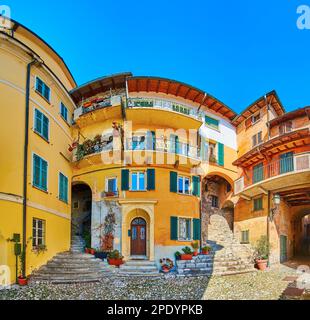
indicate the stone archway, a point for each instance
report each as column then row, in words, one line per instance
column 81, row 218
column 132, row 209
column 216, row 199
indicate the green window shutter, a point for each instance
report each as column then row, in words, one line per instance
column 196, row 229
column 150, row 179
column 43, row 174
column 258, row 204
column 125, row 180
column 173, row 181
column 174, row 228
column 45, row 127
column 196, row 186
column 220, row 154
column 212, row 122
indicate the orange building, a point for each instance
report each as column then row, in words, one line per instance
column 273, row 188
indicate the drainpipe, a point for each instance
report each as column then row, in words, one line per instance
column 26, row 162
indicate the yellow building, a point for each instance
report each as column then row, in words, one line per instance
column 35, row 134
column 133, row 163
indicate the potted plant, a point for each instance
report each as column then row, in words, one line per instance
column 115, row 258
column 188, row 254
column 178, row 255
column 22, row 278
column 195, row 246
column 92, row 251
column 87, row 250
column 101, row 254
column 206, row 249
column 262, row 253
column 166, row 265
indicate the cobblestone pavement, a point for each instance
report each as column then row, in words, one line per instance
column 267, row 285
column 118, row 288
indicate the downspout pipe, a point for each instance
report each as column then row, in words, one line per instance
column 25, row 166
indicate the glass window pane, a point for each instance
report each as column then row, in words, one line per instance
column 134, row 181
column 186, row 185
column 180, row 185
column 141, row 181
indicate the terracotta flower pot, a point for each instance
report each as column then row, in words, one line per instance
column 92, row 251
column 165, row 269
column 115, row 262
column 195, row 254
column 205, row 252
column 22, row 281
column 261, row 264
column 186, row 257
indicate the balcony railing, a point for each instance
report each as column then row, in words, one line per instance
column 164, row 105
column 161, row 145
column 295, row 163
column 99, row 103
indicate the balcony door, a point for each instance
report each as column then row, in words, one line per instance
column 286, row 162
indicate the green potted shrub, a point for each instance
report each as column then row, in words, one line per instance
column 115, row 258
column 262, row 253
column 178, row 255
column 195, row 246
column 188, row 254
column 206, row 249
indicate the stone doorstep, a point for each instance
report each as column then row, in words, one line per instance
column 293, row 292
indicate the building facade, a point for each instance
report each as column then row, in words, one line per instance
column 139, row 164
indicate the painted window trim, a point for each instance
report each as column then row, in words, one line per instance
column 32, row 173
column 247, row 241
column 34, row 125
column 130, row 180
column 107, row 183
column 39, row 93
column 63, row 200
column 36, row 229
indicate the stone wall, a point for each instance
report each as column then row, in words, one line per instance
column 100, row 209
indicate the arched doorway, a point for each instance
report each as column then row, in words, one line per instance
column 138, row 237
column 81, row 212
column 216, row 194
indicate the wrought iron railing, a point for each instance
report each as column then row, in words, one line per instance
column 164, row 105
column 294, row 163
column 162, row 145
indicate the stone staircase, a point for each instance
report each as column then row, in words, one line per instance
column 227, row 256
column 77, row 244
column 72, row 267
column 139, row 268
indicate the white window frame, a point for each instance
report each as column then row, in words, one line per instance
column 183, row 184
column 191, row 229
column 35, row 88
column 107, row 183
column 138, row 181
column 255, row 115
column 35, row 237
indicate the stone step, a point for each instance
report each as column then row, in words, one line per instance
column 59, row 269
column 139, row 263
column 139, row 268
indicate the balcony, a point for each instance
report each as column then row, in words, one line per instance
column 98, row 109
column 164, row 146
column 154, row 111
column 277, row 174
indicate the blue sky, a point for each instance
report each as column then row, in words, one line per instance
column 235, row 50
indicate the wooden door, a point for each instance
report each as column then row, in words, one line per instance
column 138, row 237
